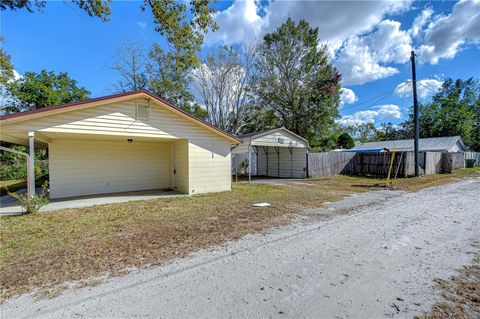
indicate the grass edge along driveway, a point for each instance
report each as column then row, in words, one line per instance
column 46, row 250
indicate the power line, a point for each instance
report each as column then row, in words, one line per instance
column 384, row 94
column 428, row 88
column 373, row 104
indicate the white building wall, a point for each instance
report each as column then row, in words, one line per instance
column 206, row 155
column 292, row 164
column 96, row 167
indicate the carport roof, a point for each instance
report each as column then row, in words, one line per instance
column 32, row 114
column 255, row 135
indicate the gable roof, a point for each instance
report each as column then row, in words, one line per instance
column 37, row 113
column 444, row 143
column 255, row 135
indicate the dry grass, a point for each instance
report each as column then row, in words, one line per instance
column 46, row 250
column 461, row 294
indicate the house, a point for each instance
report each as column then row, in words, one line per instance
column 275, row 153
column 124, row 142
column 451, row 144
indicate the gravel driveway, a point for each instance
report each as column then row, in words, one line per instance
column 377, row 261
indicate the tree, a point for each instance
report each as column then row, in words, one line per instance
column 223, row 81
column 197, row 111
column 38, row 90
column 184, row 24
column 453, row 110
column 475, row 138
column 130, row 63
column 389, row 132
column 259, row 119
column 345, row 141
column 296, row 80
column 6, row 67
column 167, row 79
column 95, row 8
column 364, row 132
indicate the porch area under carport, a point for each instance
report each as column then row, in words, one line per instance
column 95, row 164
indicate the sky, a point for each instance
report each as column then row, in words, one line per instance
column 369, row 43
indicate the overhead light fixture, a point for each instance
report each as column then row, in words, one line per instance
column 130, row 141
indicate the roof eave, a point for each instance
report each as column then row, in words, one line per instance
column 38, row 113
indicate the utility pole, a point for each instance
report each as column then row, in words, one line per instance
column 415, row 114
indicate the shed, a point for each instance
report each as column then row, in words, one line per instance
column 276, row 153
column 124, row 142
column 451, row 144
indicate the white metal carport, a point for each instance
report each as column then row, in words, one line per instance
column 276, row 153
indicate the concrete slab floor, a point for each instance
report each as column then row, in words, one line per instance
column 9, row 206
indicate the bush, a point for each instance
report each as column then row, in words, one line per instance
column 470, row 162
column 14, row 166
column 32, row 205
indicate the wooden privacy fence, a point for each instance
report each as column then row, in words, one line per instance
column 330, row 163
column 433, row 163
column 378, row 164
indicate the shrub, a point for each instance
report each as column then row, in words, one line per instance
column 33, row 204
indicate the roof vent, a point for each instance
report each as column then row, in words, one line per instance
column 141, row 112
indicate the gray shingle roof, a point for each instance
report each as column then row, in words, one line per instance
column 425, row 144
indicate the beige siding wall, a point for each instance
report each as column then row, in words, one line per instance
column 202, row 158
column 115, row 118
column 273, row 140
column 180, row 169
column 209, row 165
column 94, row 167
column 292, row 165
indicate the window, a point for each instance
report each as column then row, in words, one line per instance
column 141, row 112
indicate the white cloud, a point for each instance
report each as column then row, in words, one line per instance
column 357, row 64
column 388, row 43
column 364, row 45
column 347, row 96
column 425, row 88
column 377, row 113
column 360, row 59
column 340, row 25
column 445, row 35
column 420, row 21
column 238, row 23
column 336, row 20
column 389, row 111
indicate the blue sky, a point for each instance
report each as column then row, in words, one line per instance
column 369, row 42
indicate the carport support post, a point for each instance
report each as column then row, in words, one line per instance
column 31, row 165
column 249, row 165
column 236, row 167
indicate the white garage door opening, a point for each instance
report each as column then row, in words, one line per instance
column 277, row 153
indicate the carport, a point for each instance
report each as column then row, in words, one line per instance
column 106, row 164
column 127, row 142
column 277, row 153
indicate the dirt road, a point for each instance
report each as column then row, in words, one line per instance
column 379, row 261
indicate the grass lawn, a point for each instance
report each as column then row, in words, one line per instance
column 45, row 250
